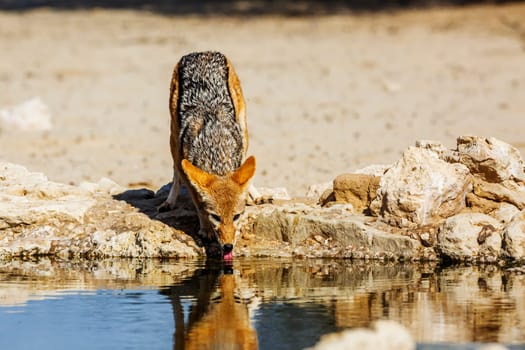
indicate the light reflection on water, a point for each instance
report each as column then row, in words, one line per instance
column 269, row 304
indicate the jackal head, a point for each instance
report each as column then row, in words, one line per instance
column 220, row 201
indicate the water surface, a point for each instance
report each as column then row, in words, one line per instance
column 258, row 303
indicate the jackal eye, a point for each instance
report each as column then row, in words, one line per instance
column 215, row 217
column 236, row 217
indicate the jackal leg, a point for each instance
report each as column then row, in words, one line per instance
column 169, row 204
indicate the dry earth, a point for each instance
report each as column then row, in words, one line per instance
column 325, row 94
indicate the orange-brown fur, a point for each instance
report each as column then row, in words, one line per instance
column 238, row 101
column 221, row 195
column 225, row 325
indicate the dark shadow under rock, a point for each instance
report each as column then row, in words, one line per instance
column 183, row 217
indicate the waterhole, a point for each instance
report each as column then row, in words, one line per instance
column 253, row 303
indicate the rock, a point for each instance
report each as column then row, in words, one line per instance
column 356, row 189
column 275, row 193
column 301, row 230
column 492, row 347
column 417, row 206
column 104, row 185
column 262, row 195
column 427, row 238
column 40, row 217
column 32, row 115
column 505, row 213
column 315, row 191
column 481, row 205
column 439, row 149
column 490, row 159
column 507, row 191
column 514, row 237
column 327, row 197
column 471, row 236
column 15, row 180
column 421, row 189
column 499, row 210
column 384, row 335
column 374, row 169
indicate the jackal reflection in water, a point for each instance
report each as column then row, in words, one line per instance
column 218, row 317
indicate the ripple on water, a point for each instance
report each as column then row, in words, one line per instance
column 279, row 304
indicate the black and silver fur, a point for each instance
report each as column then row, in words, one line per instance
column 210, row 136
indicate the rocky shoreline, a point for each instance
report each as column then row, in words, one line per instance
column 434, row 203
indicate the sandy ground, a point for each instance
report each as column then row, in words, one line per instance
column 325, row 95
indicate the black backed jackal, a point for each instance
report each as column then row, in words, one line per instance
column 209, row 139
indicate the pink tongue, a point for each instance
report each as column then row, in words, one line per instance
column 228, row 256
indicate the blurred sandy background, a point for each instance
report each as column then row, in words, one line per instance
column 326, row 93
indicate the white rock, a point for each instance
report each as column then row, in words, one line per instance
column 432, row 145
column 104, row 185
column 491, row 159
column 279, row 193
column 386, row 335
column 421, row 188
column 505, row 212
column 470, row 236
column 27, row 197
column 30, row 115
column 41, row 217
column 492, row 347
column 514, row 237
column 440, row 149
column 374, row 169
column 316, row 190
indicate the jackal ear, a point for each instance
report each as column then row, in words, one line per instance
column 245, row 172
column 197, row 177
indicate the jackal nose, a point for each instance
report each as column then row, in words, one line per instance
column 227, row 248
